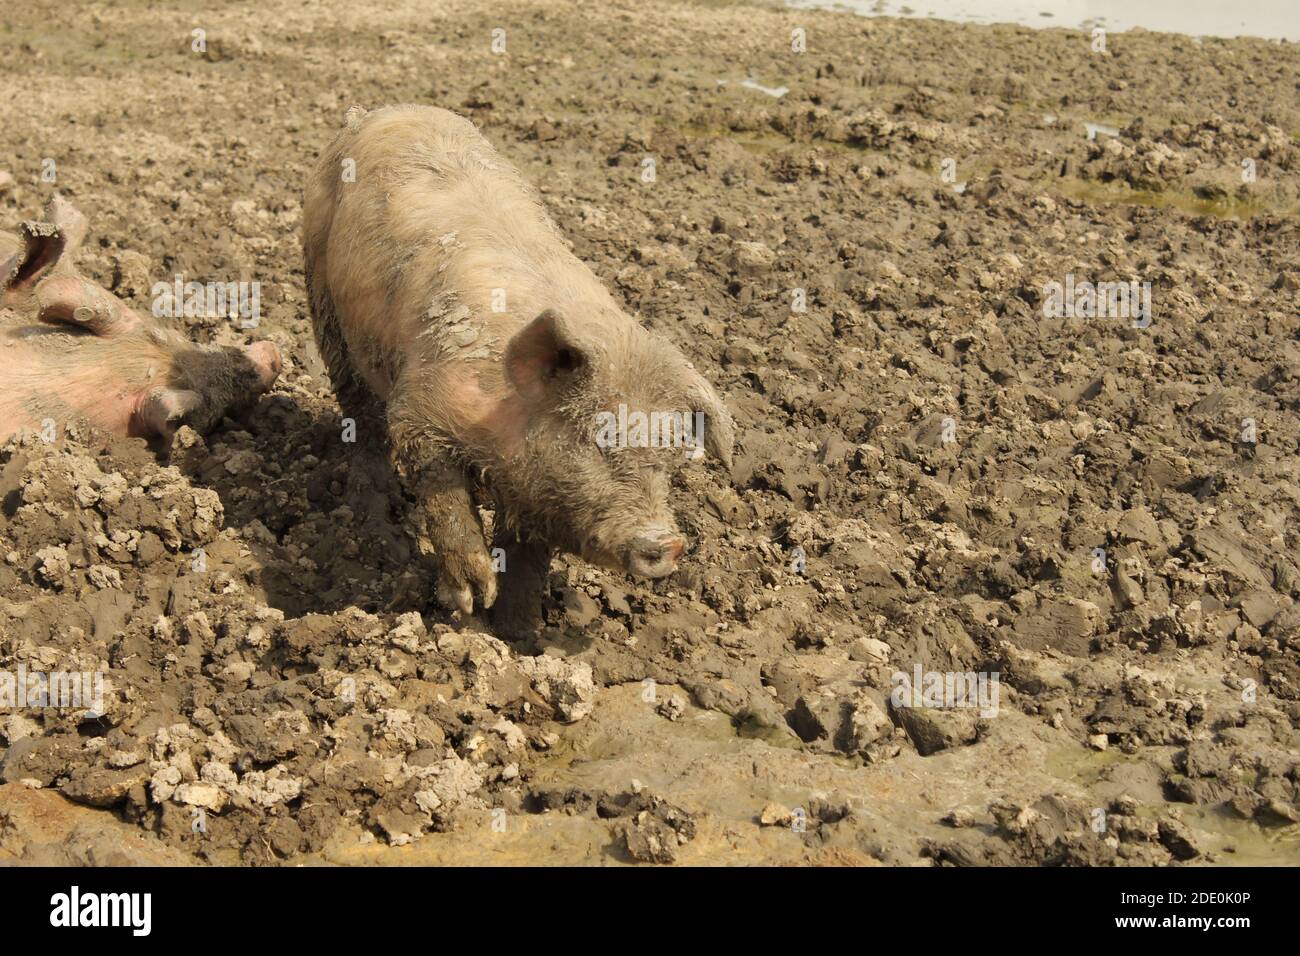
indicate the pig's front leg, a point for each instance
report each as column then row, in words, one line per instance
column 518, row 611
column 446, row 526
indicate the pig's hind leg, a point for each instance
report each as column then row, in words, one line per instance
column 372, row 489
column 355, row 398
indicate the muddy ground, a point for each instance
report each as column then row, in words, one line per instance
column 932, row 473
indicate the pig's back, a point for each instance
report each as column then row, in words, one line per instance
column 446, row 187
column 435, row 222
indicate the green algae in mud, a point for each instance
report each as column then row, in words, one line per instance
column 759, row 142
column 1097, row 193
column 1082, row 766
column 769, row 143
column 764, row 142
column 1252, row 844
column 754, row 727
column 707, row 726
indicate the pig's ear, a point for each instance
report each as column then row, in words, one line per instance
column 70, row 223
column 164, row 410
column 543, row 356
column 719, row 430
column 43, row 247
column 47, row 246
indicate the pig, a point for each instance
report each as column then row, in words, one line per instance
column 96, row 359
column 455, row 322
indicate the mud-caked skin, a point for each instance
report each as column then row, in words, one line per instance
column 452, row 316
column 93, row 358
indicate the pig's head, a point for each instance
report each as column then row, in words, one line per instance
column 201, row 384
column 180, row 382
column 594, row 427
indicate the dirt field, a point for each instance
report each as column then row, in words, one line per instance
column 1096, row 517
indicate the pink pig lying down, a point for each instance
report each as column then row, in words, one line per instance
column 96, row 359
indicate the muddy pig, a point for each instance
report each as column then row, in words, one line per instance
column 95, row 358
column 453, row 318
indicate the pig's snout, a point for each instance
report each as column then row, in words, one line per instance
column 654, row 555
column 266, row 358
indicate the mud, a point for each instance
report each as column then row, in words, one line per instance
column 927, row 467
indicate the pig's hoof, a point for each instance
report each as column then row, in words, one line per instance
column 460, row 576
